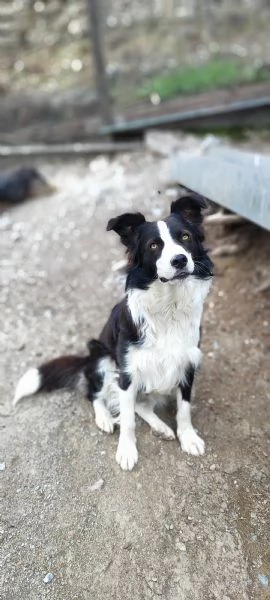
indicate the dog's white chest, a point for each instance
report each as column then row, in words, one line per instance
column 160, row 363
column 170, row 336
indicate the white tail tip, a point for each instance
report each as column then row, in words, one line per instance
column 29, row 384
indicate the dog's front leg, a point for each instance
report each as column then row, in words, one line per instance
column 190, row 441
column 127, row 454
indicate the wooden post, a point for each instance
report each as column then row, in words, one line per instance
column 99, row 62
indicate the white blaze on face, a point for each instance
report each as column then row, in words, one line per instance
column 170, row 249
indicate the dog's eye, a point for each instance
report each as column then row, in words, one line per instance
column 153, row 246
column 185, row 237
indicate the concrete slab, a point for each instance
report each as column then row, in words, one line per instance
column 237, row 181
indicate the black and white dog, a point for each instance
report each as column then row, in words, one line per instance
column 149, row 347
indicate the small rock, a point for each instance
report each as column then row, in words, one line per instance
column 2, row 466
column 5, row 222
column 99, row 164
column 162, row 143
column 71, row 225
column 16, row 236
column 38, row 236
column 120, row 264
column 155, row 99
column 182, row 547
column 48, row 578
column 97, row 486
column 48, row 313
column 156, row 211
column 18, row 226
column 263, row 579
column 21, row 347
column 208, row 142
column 127, row 546
column 212, row 467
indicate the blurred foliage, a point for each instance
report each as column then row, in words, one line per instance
column 215, row 73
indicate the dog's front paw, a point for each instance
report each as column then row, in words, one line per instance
column 104, row 421
column 127, row 454
column 103, row 417
column 191, row 442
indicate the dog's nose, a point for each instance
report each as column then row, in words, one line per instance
column 179, row 261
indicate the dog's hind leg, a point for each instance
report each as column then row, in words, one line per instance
column 100, row 377
column 127, row 453
column 104, row 419
column 145, row 410
column 190, row 441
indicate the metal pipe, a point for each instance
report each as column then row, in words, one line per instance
column 78, row 148
column 99, row 61
column 182, row 117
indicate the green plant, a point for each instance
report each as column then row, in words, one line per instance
column 213, row 74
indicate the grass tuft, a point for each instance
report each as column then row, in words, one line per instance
column 215, row 73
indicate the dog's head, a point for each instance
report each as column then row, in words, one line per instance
column 171, row 249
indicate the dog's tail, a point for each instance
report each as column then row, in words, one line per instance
column 63, row 372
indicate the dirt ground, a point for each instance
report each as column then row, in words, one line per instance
column 177, row 527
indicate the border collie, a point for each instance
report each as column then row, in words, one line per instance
column 149, row 347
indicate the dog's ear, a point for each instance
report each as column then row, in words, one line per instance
column 126, row 225
column 190, row 207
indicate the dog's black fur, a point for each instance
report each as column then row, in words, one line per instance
column 20, row 184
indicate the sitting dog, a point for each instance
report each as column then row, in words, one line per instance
column 149, row 346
